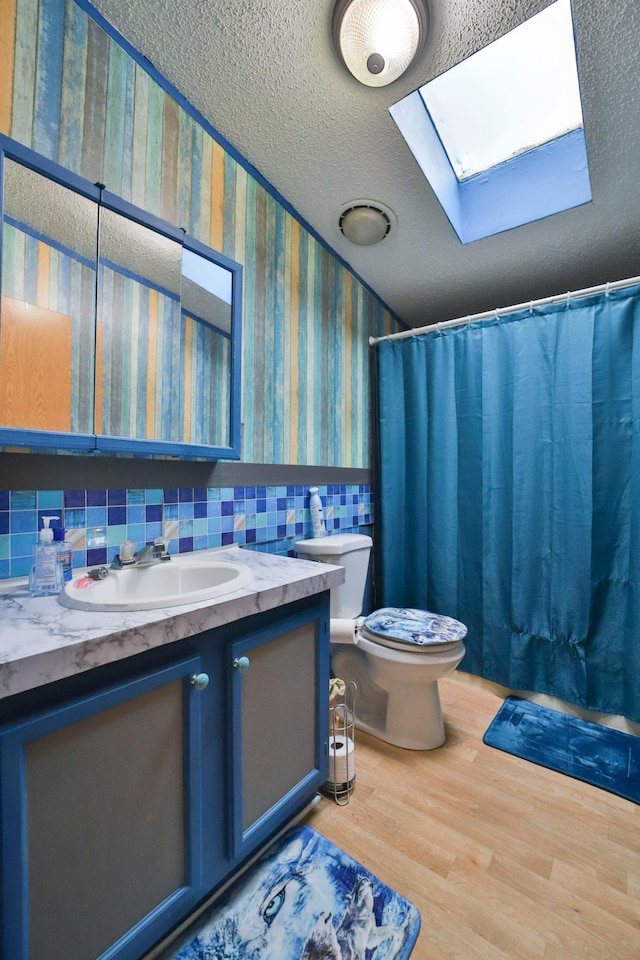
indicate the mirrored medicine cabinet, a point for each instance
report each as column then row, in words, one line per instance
column 118, row 332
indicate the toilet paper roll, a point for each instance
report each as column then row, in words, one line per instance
column 342, row 767
column 342, row 631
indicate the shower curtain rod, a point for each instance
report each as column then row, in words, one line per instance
column 501, row 311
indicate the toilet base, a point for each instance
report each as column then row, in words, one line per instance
column 406, row 715
column 424, row 732
column 414, row 722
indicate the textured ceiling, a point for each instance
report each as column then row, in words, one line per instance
column 266, row 76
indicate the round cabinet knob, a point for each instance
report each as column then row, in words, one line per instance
column 200, row 681
column 241, row 663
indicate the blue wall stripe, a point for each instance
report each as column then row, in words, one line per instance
column 153, row 178
column 73, row 87
column 49, row 78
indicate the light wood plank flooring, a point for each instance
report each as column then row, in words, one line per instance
column 504, row 859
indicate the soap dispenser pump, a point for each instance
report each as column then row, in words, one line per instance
column 45, row 578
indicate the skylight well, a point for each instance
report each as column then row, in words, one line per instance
column 500, row 136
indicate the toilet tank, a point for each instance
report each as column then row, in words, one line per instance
column 348, row 550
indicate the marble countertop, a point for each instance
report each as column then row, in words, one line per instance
column 42, row 641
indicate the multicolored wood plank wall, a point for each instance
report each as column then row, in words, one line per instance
column 72, row 93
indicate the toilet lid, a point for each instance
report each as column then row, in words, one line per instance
column 417, row 628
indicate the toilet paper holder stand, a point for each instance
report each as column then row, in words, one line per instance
column 342, row 718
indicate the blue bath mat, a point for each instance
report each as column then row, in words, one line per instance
column 587, row 751
column 304, row 899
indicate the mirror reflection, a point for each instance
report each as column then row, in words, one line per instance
column 139, row 332
column 207, row 320
column 49, row 237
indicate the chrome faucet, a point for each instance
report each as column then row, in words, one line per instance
column 144, row 556
column 154, row 552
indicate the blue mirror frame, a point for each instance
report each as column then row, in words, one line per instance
column 103, row 443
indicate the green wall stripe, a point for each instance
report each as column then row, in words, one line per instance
column 299, row 455
column 184, row 170
column 153, row 179
column 116, row 118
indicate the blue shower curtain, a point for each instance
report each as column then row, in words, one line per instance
column 509, row 493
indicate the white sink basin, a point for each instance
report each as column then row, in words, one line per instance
column 169, row 583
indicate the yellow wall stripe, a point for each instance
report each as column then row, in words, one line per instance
column 217, row 197
column 7, row 40
column 42, row 284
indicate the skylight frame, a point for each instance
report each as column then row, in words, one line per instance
column 529, row 185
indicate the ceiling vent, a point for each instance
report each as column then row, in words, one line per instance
column 366, row 223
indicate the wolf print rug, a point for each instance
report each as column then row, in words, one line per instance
column 303, row 900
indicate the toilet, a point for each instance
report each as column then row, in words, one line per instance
column 395, row 656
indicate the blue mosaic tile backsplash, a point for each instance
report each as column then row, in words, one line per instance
column 97, row 521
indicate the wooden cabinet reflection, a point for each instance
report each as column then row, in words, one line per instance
column 35, row 367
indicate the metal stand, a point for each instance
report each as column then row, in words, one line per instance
column 342, row 718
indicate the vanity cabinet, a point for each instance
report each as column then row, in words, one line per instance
column 131, row 792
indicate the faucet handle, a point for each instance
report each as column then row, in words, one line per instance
column 127, row 550
column 161, row 548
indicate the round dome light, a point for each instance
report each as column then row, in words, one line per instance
column 365, row 222
column 379, row 39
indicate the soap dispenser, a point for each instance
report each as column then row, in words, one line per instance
column 45, row 578
column 317, row 513
column 65, row 553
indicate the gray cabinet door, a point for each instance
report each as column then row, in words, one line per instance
column 101, row 836
column 278, row 729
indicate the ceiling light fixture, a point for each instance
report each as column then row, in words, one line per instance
column 366, row 222
column 378, row 40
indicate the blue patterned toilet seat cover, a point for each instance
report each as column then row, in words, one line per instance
column 412, row 626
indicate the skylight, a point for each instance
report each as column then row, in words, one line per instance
column 506, row 123
column 514, row 95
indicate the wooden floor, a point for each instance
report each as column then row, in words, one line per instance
column 503, row 859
